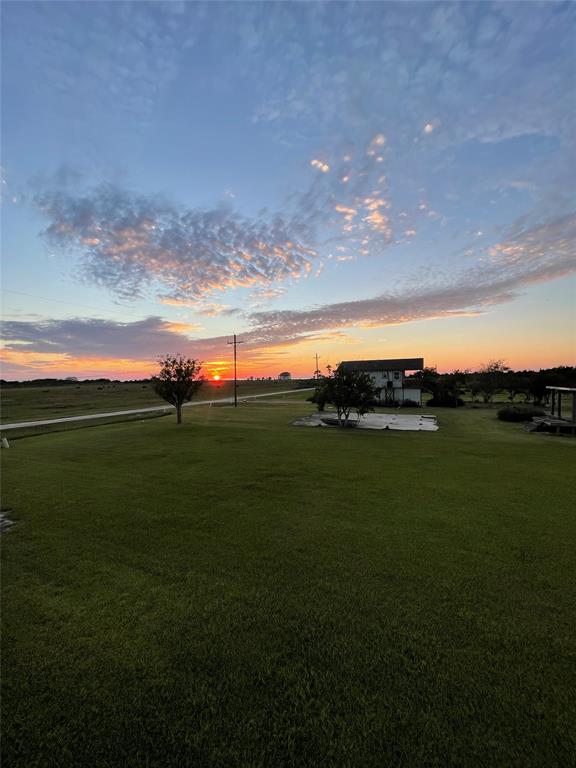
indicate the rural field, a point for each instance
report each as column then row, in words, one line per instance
column 240, row 592
column 24, row 403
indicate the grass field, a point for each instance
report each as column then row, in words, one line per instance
column 31, row 403
column 240, row 592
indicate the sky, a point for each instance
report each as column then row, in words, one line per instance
column 353, row 180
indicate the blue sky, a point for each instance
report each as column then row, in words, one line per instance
column 357, row 179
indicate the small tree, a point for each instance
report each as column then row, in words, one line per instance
column 475, row 387
column 537, row 386
column 347, row 391
column 178, row 381
column 515, row 384
column 492, row 377
column 445, row 388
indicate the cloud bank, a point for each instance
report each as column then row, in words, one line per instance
column 527, row 255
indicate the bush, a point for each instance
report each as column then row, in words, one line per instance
column 445, row 401
column 318, row 400
column 519, row 413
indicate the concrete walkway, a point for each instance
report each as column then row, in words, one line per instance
column 134, row 412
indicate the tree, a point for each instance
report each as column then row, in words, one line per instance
column 537, row 386
column 429, row 378
column 347, row 391
column 445, row 388
column 492, row 377
column 475, row 386
column 178, row 381
column 515, row 384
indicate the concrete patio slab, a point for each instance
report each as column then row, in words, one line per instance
column 396, row 421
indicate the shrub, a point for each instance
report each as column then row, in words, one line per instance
column 519, row 413
column 445, row 401
column 318, row 399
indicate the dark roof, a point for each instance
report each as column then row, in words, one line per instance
column 401, row 364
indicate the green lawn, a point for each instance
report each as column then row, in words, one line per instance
column 240, row 592
column 31, row 403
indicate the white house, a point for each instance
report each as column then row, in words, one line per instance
column 390, row 376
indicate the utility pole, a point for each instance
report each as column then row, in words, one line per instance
column 317, row 371
column 235, row 342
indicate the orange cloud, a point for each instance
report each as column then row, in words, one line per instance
column 324, row 167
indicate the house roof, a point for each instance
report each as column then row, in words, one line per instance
column 400, row 364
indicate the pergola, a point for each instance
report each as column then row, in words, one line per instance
column 556, row 402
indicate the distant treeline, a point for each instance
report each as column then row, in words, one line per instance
column 492, row 379
column 71, row 381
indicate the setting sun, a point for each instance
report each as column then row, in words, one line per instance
column 216, row 377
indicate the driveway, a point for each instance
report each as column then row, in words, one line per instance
column 133, row 412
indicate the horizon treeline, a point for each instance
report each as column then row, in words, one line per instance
column 501, row 376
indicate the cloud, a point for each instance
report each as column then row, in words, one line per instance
column 527, row 255
column 104, row 339
column 266, row 295
column 381, row 96
column 430, row 60
column 129, row 243
column 204, row 308
column 320, row 166
column 114, row 59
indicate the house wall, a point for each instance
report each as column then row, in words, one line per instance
column 381, row 378
column 401, row 392
column 412, row 394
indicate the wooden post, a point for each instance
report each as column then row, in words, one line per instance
column 559, row 405
column 553, row 402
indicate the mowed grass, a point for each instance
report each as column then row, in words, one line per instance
column 240, row 592
column 35, row 403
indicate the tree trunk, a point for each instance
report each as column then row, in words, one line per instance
column 178, row 414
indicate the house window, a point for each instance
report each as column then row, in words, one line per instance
column 396, row 375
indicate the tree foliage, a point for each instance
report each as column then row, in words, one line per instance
column 347, row 391
column 178, row 381
column 492, row 378
column 445, row 388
